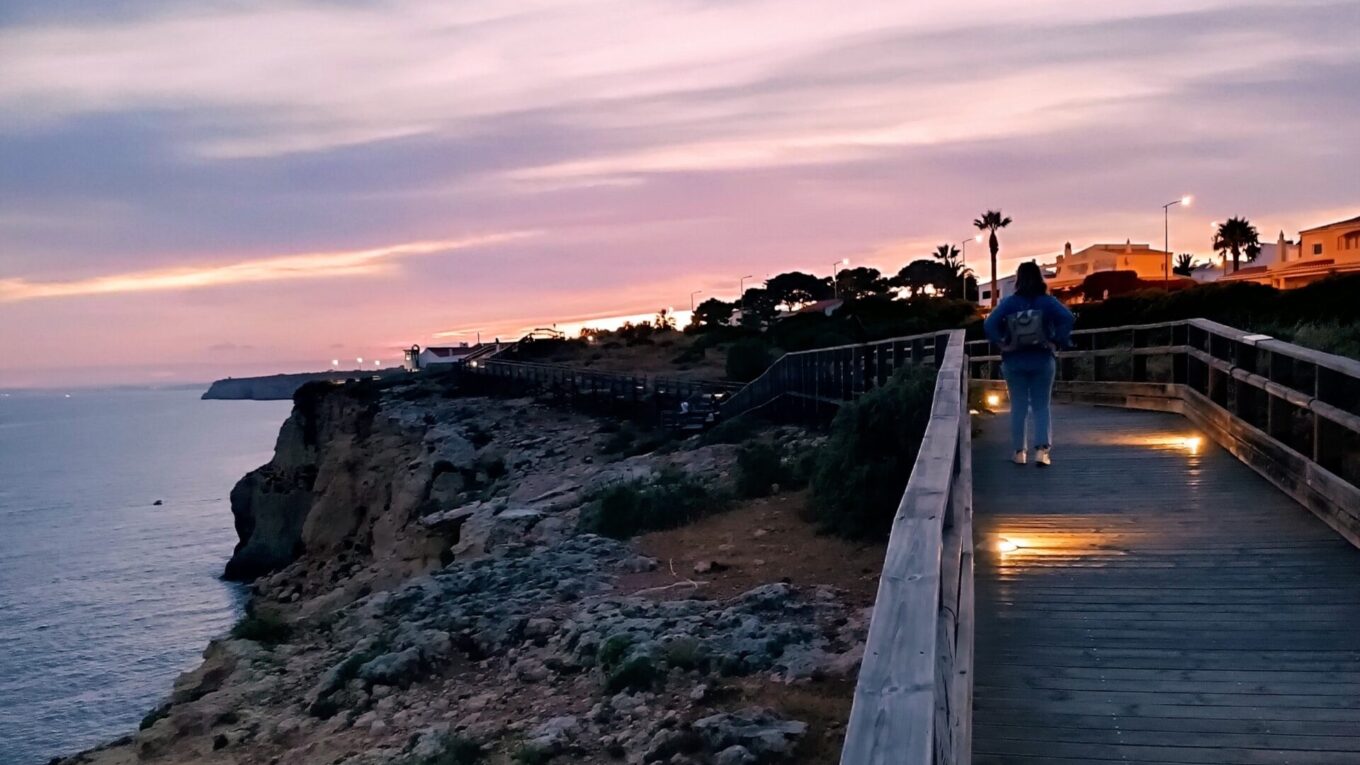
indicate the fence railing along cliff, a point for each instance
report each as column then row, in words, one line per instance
column 600, row 390
column 913, row 699
column 1291, row 413
column 807, row 383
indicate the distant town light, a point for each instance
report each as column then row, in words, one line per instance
column 377, row 363
column 360, row 359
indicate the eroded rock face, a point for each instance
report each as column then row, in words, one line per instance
column 440, row 602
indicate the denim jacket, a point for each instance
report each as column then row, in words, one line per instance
column 1057, row 320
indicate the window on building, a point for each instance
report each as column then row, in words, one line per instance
column 1317, row 248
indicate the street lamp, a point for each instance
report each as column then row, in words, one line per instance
column 963, row 263
column 836, row 288
column 1166, row 233
column 741, row 292
column 691, row 299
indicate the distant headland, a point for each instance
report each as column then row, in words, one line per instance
column 280, row 387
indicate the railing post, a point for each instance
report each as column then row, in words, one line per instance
column 1140, row 362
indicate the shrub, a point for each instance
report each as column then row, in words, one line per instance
column 733, row 431
column 630, row 440
column 673, row 499
column 862, row 470
column 758, row 469
column 531, row 754
column 456, row 751
column 264, row 628
column 747, row 359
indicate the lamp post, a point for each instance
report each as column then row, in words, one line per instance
column 963, row 265
column 1166, row 234
column 836, row 288
column 741, row 292
column 691, row 299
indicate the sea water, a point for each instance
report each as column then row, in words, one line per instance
column 105, row 596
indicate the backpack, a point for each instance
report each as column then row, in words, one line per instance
column 1026, row 330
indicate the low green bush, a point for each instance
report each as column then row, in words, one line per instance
column 630, row 440
column 758, row 469
column 862, row 469
column 456, row 751
column 264, row 628
column 734, row 431
column 673, row 499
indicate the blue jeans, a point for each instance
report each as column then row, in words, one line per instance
column 1030, row 382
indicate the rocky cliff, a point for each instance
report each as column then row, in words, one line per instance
column 280, row 387
column 422, row 595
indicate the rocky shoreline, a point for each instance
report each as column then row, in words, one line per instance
column 423, row 594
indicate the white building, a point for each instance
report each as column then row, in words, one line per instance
column 418, row 358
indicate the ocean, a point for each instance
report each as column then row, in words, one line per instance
column 105, row 597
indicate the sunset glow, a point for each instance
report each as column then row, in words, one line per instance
column 196, row 191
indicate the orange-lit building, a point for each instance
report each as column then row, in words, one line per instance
column 1141, row 259
column 1322, row 251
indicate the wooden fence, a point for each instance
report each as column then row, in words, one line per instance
column 1291, row 413
column 809, row 385
column 630, row 395
column 913, row 699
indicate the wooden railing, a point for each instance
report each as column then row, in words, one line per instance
column 1291, row 413
column 805, row 382
column 599, row 390
column 913, row 700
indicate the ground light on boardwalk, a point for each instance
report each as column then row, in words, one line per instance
column 1150, row 599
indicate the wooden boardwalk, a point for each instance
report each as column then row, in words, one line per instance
column 1165, row 605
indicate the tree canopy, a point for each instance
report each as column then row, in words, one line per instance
column 860, row 282
column 795, row 289
column 712, row 313
column 918, row 275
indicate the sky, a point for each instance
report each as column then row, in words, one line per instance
column 190, row 190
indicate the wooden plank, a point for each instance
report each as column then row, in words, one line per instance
column 1166, row 608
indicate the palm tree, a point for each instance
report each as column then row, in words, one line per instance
column 990, row 222
column 1185, row 264
column 1237, row 236
column 950, row 258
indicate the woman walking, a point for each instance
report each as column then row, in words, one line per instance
column 1029, row 326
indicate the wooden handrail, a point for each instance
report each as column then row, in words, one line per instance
column 912, row 700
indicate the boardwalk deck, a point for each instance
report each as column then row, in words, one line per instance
column 1167, row 605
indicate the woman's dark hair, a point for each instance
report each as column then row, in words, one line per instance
column 1029, row 280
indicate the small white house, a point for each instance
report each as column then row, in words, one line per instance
column 418, row 358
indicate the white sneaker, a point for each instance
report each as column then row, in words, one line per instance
column 1041, row 457
column 1019, row 457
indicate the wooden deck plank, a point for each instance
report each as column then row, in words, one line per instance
column 1166, row 605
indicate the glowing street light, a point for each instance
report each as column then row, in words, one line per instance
column 741, row 292
column 1166, row 233
column 963, row 262
column 335, row 362
column 691, row 299
column 993, row 400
